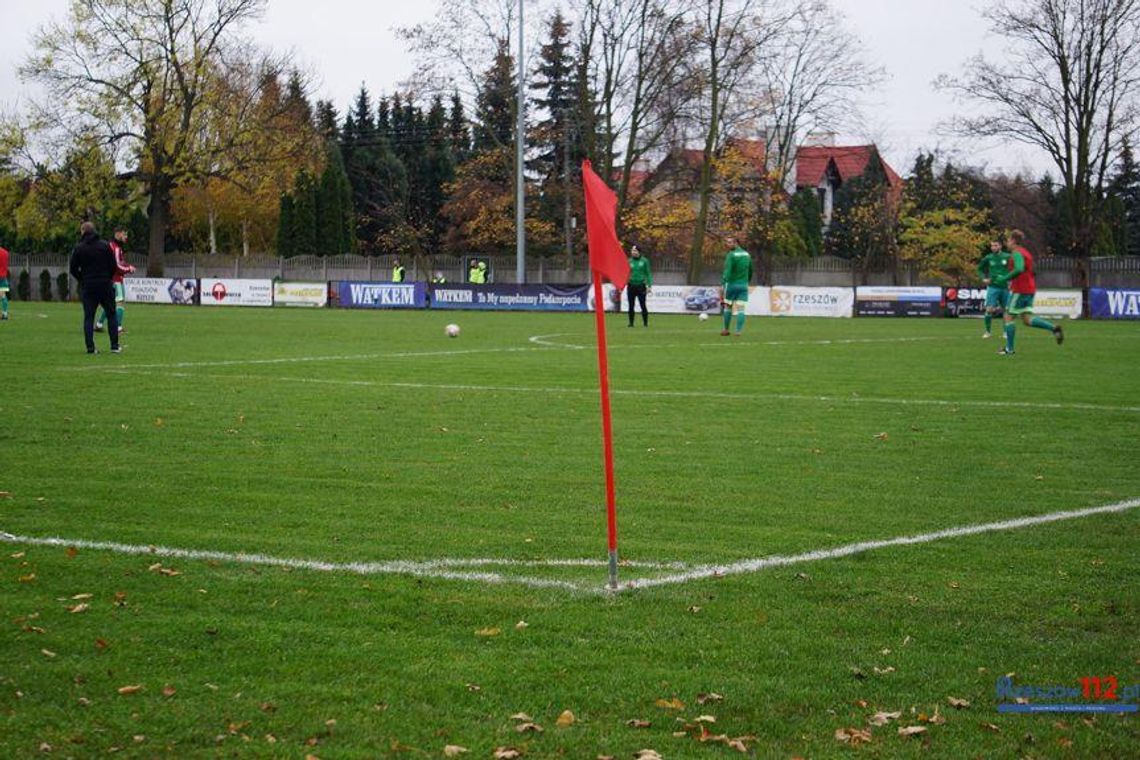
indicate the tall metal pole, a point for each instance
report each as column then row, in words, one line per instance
column 520, row 190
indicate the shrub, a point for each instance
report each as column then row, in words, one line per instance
column 63, row 286
column 24, row 286
column 45, row 285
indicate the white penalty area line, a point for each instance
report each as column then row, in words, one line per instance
column 716, row 395
column 451, row 569
column 764, row 563
column 549, row 341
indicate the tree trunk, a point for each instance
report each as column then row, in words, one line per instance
column 213, row 233
column 245, row 237
column 158, row 212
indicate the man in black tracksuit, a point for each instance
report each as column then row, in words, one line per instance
column 93, row 264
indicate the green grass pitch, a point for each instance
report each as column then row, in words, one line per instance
column 356, row 437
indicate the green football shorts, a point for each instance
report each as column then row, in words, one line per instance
column 736, row 292
column 997, row 298
column 1020, row 303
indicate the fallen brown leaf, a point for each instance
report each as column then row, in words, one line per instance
column 453, row 750
column 82, row 597
column 638, row 723
column 1064, row 741
column 169, row 691
column 737, row 745
column 670, row 704
column 881, row 436
column 647, row 754
column 473, row 687
column 268, row 707
column 488, row 632
column 883, row 718
column 704, row 719
column 100, row 644
column 712, row 696
column 852, row 735
column 131, row 689
column 884, row 671
column 506, row 753
column 911, row 730
column 522, row 728
column 991, row 727
column 47, row 653
column 76, row 609
column 566, row 718
column 521, row 625
column 961, row 704
column 27, row 578
column 521, row 716
column 18, row 555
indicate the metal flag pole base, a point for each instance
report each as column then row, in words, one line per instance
column 613, row 570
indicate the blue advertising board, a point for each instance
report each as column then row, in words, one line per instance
column 1114, row 303
column 504, row 297
column 382, row 295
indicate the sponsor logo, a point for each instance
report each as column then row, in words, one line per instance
column 382, row 295
column 1123, row 303
column 453, row 296
column 218, row 291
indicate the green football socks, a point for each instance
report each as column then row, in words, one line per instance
column 1041, row 324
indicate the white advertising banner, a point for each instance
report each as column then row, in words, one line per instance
column 1059, row 303
column 183, row 292
column 667, row 299
column 234, row 292
column 300, row 294
column 795, row 301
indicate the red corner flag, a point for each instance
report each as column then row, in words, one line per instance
column 607, row 260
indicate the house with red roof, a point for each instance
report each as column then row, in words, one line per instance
column 826, row 167
column 821, row 167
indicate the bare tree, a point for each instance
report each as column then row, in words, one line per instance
column 157, row 76
column 1068, row 84
column 732, row 37
column 636, row 53
column 811, row 81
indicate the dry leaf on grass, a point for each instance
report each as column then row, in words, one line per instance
column 883, row 718
column 169, row 691
column 670, row 704
column 47, row 653
column 488, row 632
column 81, row 607
column 638, row 723
column 506, row 753
column 453, row 750
column 521, row 716
column 961, row 704
column 881, row 436
column 522, row 728
column 884, row 671
column 852, row 735
column 131, row 689
column 647, row 754
column 566, row 718
column 991, row 727
column 712, row 696
column 704, row 719
column 82, row 597
column 937, row 718
column 911, row 730
column 521, row 625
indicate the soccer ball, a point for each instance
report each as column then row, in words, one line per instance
column 704, row 317
column 452, row 331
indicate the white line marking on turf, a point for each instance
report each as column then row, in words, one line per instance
column 431, row 569
column 440, row 569
column 976, row 403
column 763, row 563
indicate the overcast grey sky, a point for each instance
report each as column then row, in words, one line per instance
column 345, row 42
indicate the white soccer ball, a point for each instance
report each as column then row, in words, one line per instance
column 703, row 317
column 452, row 331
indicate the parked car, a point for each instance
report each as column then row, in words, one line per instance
column 703, row 299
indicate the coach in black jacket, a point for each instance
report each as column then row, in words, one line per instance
column 93, row 264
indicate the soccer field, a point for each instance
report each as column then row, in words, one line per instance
column 428, row 519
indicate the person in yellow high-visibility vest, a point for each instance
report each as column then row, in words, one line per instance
column 477, row 274
column 398, row 272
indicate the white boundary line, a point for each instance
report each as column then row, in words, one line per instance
column 763, row 563
column 976, row 403
column 444, row 569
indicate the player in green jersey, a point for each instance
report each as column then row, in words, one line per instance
column 994, row 269
column 734, row 283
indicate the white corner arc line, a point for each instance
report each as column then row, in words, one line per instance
column 763, row 563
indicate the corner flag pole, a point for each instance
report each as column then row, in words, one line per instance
column 607, row 427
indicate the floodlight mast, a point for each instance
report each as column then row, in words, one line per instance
column 520, row 190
